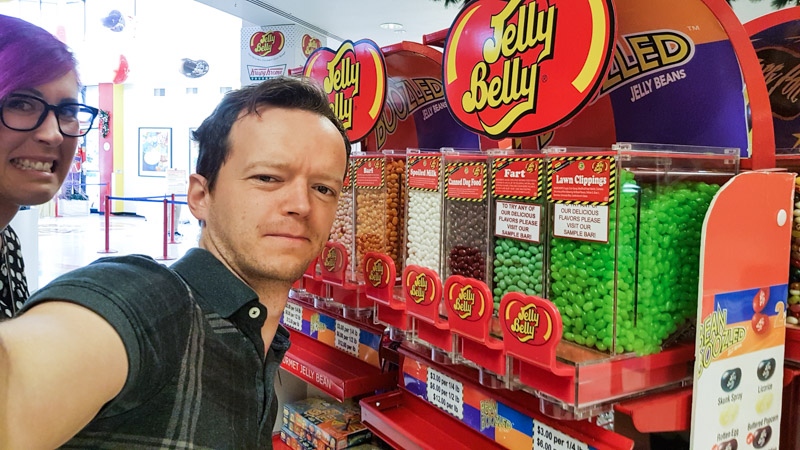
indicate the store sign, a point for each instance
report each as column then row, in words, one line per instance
column 530, row 320
column 354, row 77
column 376, row 271
column 419, row 285
column 466, row 181
column 516, row 178
column 423, row 173
column 369, row 172
column 310, row 45
column 524, row 67
column 583, row 180
column 267, row 44
column 521, row 221
column 466, row 299
column 333, row 261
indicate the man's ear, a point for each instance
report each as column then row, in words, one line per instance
column 198, row 196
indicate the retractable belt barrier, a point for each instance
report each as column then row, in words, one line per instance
column 165, row 200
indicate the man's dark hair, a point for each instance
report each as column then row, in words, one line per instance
column 283, row 92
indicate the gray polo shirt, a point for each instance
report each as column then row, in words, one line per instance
column 198, row 375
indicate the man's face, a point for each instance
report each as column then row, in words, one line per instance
column 275, row 197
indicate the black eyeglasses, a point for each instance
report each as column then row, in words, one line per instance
column 21, row 112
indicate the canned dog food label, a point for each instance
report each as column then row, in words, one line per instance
column 466, row 181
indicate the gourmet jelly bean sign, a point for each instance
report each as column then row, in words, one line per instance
column 739, row 370
column 354, row 77
column 524, row 67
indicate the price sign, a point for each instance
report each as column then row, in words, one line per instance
column 446, row 393
column 548, row 438
column 347, row 338
column 293, row 316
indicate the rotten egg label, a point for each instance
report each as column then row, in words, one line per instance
column 765, row 369
column 732, row 444
column 730, row 379
column 761, row 437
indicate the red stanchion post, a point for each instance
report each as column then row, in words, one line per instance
column 107, row 218
column 172, row 221
column 165, row 228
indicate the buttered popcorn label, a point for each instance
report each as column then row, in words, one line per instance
column 354, row 77
column 524, row 67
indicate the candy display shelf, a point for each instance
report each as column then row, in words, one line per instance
column 338, row 356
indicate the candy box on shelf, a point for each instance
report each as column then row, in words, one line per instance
column 294, row 441
column 326, row 425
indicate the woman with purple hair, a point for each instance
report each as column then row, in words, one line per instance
column 37, row 77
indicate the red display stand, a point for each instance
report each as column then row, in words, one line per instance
column 337, row 374
column 381, row 287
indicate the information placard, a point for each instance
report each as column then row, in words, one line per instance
column 518, row 221
column 581, row 222
column 347, row 337
column 293, row 316
column 446, row 393
column 548, row 438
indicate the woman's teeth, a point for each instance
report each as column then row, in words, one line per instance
column 26, row 164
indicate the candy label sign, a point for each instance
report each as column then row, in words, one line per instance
column 466, row 181
column 516, row 178
column 466, row 302
column 354, row 77
column 369, row 172
column 423, row 173
column 520, row 221
column 581, row 180
column 504, row 74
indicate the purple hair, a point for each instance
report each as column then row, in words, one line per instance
column 30, row 56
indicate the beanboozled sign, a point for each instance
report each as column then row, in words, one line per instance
column 524, row 67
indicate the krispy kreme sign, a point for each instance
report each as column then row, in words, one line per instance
column 524, row 67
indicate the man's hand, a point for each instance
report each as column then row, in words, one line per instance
column 59, row 364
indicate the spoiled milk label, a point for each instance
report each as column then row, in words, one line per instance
column 423, row 173
column 354, row 77
column 504, row 73
column 586, row 180
column 369, row 172
column 516, row 178
column 466, row 181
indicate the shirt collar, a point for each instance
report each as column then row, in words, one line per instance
column 216, row 284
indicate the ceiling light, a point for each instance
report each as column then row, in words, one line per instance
column 392, row 26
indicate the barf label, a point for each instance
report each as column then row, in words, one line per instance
column 466, row 181
column 369, row 173
column 582, row 222
column 423, row 173
column 518, row 221
column 587, row 180
column 516, row 178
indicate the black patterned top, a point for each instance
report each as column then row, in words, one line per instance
column 13, row 285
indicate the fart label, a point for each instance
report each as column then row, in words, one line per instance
column 516, row 178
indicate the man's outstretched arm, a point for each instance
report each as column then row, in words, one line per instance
column 59, row 364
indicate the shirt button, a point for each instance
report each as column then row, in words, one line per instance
column 254, row 312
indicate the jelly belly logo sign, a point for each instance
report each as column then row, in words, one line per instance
column 310, row 45
column 267, row 44
column 528, row 323
column 377, row 272
column 581, row 180
column 524, row 67
column 419, row 285
column 354, row 77
column 332, row 258
column 466, row 301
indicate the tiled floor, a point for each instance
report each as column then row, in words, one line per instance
column 67, row 243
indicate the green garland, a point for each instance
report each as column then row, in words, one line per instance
column 104, row 123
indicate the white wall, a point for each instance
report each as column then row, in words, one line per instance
column 747, row 10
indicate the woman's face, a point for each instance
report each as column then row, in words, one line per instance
column 33, row 164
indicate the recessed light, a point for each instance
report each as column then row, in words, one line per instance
column 392, row 26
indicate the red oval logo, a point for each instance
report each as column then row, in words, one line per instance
column 310, row 45
column 267, row 43
column 524, row 67
column 377, row 272
column 354, row 77
column 465, row 300
column 419, row 286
